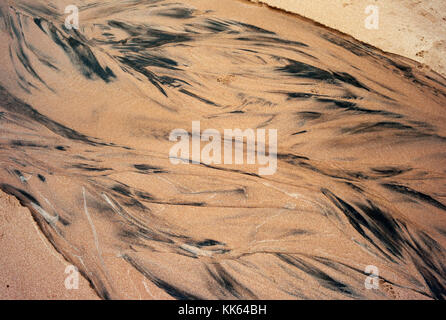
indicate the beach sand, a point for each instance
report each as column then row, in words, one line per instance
column 85, row 119
column 30, row 267
column 414, row 29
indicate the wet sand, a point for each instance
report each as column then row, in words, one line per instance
column 418, row 26
column 30, row 267
column 85, row 117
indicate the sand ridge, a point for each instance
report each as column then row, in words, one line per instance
column 414, row 29
column 31, row 268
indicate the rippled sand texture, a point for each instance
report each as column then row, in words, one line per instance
column 85, row 117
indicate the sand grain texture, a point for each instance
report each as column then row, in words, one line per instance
column 30, row 267
column 85, row 117
column 414, row 29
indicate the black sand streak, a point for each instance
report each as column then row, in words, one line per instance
column 229, row 226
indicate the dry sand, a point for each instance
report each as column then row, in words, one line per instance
column 85, row 118
column 414, row 29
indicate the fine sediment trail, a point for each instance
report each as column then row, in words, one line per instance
column 85, row 118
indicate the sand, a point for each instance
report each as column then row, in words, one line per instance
column 30, row 267
column 85, row 119
column 414, row 29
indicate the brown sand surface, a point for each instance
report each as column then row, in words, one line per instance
column 85, row 118
column 30, row 267
column 414, row 29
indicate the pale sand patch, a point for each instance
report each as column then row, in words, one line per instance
column 414, row 29
column 30, row 267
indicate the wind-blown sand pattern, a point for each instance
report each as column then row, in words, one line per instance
column 85, row 117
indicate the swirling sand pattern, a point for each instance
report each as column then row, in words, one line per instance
column 85, row 117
